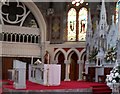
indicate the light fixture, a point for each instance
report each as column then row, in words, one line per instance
column 77, row 2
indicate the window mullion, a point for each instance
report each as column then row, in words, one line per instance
column 77, row 26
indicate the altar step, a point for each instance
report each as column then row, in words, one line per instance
column 101, row 89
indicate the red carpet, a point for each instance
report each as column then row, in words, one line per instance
column 101, row 89
column 96, row 87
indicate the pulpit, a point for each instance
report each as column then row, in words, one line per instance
column 19, row 74
column 46, row 74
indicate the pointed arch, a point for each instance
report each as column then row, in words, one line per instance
column 57, row 52
column 83, row 15
column 72, row 57
column 71, row 24
column 39, row 18
column 81, row 54
column 70, row 52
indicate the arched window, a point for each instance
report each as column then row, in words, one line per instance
column 33, row 38
column 25, row 38
column 72, row 25
column 21, row 38
column 13, row 38
column 29, row 38
column 37, row 39
column 82, row 24
column 9, row 37
column 17, row 38
column 77, row 24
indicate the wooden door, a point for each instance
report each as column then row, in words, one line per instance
column 61, row 62
column 7, row 63
column 74, row 67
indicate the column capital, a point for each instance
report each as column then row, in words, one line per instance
column 80, row 61
column 66, row 62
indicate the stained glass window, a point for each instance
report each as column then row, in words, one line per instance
column 82, row 24
column 77, row 24
column 117, row 7
column 72, row 25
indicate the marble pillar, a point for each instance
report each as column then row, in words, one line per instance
column 80, row 69
column 67, row 70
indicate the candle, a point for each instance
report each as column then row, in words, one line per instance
column 48, row 58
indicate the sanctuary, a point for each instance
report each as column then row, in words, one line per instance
column 82, row 38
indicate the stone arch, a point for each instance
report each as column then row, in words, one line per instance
column 39, row 18
column 70, row 52
column 72, row 57
column 57, row 52
column 59, row 58
column 81, row 54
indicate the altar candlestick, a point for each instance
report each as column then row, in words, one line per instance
column 48, row 58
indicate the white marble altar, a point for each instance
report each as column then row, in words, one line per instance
column 46, row 74
column 99, row 43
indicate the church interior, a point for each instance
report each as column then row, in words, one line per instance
column 82, row 36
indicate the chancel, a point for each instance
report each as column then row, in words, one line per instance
column 69, row 46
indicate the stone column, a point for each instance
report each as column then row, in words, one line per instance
column 86, row 67
column 80, row 69
column 67, row 70
column 19, row 37
column 42, row 48
column 15, row 37
column 23, row 38
column 27, row 38
column 32, row 60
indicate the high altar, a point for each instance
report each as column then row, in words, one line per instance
column 101, row 46
column 46, row 74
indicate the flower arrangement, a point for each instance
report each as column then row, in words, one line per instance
column 114, row 76
column 111, row 54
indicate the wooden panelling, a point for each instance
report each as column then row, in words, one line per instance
column 6, row 64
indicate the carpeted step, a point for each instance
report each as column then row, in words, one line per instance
column 101, row 85
column 102, row 92
column 101, row 89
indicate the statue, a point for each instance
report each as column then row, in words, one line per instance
column 47, row 58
